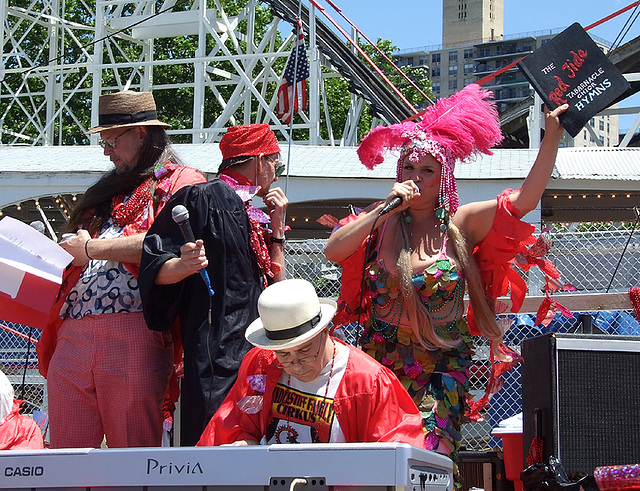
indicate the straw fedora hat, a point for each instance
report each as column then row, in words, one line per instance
column 290, row 314
column 126, row 109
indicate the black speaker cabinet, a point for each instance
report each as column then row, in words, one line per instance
column 581, row 394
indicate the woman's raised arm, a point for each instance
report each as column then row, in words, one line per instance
column 346, row 240
column 527, row 198
column 476, row 218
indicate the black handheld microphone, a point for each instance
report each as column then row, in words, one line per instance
column 180, row 215
column 391, row 205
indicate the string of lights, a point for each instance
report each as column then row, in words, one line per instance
column 61, row 203
column 597, row 195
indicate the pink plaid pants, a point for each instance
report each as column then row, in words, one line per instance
column 107, row 377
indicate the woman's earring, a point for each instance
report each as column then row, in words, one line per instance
column 441, row 214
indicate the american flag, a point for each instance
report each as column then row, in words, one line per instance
column 300, row 69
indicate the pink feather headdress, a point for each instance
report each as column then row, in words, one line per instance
column 454, row 129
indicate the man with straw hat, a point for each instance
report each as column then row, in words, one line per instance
column 106, row 372
column 301, row 385
column 245, row 249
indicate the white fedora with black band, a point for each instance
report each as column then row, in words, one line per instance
column 127, row 109
column 290, row 314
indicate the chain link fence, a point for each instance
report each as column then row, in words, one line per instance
column 19, row 363
column 593, row 258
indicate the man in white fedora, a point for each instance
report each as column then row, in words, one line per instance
column 107, row 373
column 300, row 385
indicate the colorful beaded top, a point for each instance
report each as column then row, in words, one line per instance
column 425, row 372
column 440, row 287
column 510, row 242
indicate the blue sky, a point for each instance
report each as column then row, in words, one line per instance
column 414, row 23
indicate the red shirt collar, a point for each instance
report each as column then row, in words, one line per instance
column 239, row 178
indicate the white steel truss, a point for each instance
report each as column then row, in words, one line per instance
column 60, row 55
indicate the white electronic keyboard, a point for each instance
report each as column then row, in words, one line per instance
column 307, row 467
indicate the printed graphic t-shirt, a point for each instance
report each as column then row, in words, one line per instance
column 301, row 413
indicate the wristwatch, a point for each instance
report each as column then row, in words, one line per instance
column 277, row 240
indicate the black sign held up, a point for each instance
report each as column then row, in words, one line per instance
column 571, row 69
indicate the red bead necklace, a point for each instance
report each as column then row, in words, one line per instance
column 126, row 213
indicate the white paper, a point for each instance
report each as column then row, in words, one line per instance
column 10, row 278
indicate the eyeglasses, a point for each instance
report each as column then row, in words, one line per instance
column 279, row 166
column 301, row 361
column 111, row 142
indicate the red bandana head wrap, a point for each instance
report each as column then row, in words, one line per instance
column 248, row 140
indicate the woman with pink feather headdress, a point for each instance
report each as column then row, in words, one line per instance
column 422, row 255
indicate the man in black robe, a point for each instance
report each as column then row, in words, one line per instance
column 231, row 246
column 212, row 352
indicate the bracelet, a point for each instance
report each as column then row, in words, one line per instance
column 86, row 249
column 276, row 240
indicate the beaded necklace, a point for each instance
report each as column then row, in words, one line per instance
column 454, row 296
column 408, row 219
column 387, row 324
column 126, row 213
column 257, row 218
column 397, row 306
column 326, row 388
column 391, row 319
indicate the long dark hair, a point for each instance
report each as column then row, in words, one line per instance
column 94, row 207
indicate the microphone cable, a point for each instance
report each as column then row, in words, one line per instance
column 636, row 211
column 394, row 203
column 209, row 401
column 360, row 328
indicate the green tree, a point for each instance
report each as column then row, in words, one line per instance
column 177, row 105
column 339, row 95
column 22, row 96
